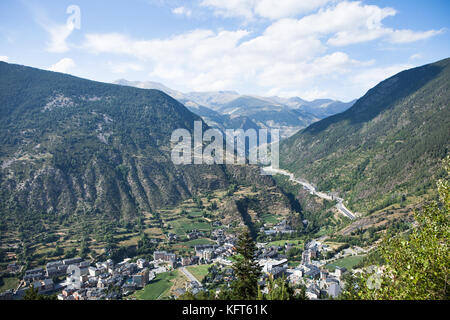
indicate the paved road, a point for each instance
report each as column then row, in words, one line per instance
column 342, row 208
column 340, row 205
column 190, row 276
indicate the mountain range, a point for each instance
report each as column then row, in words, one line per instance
column 75, row 146
column 230, row 110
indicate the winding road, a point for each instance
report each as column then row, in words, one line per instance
column 312, row 190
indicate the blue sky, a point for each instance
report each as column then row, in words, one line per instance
column 312, row 49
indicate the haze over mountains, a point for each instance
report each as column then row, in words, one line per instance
column 230, row 110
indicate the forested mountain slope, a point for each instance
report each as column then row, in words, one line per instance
column 69, row 145
column 387, row 146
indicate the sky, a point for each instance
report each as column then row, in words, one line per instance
column 310, row 49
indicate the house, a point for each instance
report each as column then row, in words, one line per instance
column 13, row 267
column 334, row 290
column 68, row 291
column 128, row 287
column 270, row 232
column 185, row 261
column 269, row 264
column 33, row 275
column 7, row 295
column 192, row 235
column 80, row 295
column 164, row 256
column 93, row 271
column 56, row 269
column 340, row 271
column 201, row 248
column 172, row 237
column 72, row 261
column 141, row 279
column 309, row 270
column 207, row 254
column 141, row 263
column 179, row 292
column 194, row 260
column 312, row 292
column 102, row 283
column 306, row 257
column 277, row 272
column 298, row 273
column 193, row 287
column 325, row 283
column 108, row 264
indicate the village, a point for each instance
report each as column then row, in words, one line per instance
column 105, row 280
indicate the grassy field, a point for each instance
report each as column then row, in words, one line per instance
column 159, row 286
column 181, row 226
column 347, row 262
column 9, row 283
column 199, row 271
column 195, row 214
column 283, row 242
column 269, row 218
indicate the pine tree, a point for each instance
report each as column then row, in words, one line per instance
column 279, row 289
column 246, row 269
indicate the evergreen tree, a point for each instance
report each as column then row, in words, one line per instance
column 33, row 294
column 279, row 289
column 246, row 269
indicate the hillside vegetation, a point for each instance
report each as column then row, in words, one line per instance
column 386, row 148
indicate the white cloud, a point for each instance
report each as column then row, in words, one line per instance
column 315, row 93
column 182, row 11
column 372, row 76
column 199, row 58
column 290, row 55
column 124, row 67
column 58, row 33
column 275, row 9
column 405, row 36
column 58, row 36
column 349, row 23
column 416, row 56
column 231, row 8
column 271, row 9
column 63, row 65
column 4, row 58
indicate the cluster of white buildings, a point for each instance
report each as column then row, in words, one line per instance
column 93, row 282
column 282, row 227
column 319, row 282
